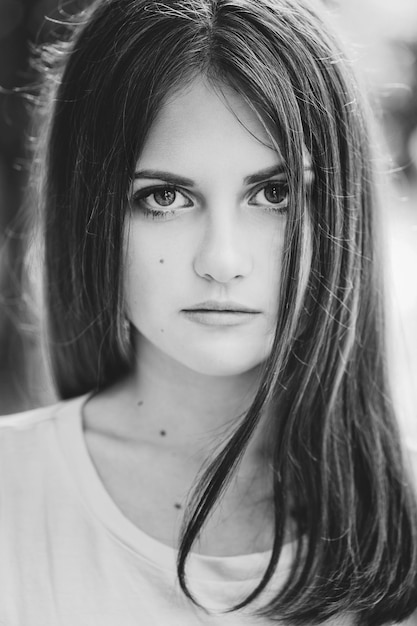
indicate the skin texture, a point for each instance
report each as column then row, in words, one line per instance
column 222, row 240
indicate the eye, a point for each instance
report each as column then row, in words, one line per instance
column 273, row 195
column 164, row 197
column 160, row 200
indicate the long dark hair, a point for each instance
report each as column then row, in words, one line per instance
column 337, row 463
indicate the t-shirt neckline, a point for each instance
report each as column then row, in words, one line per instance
column 101, row 506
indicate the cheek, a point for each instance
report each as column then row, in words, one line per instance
column 140, row 271
column 272, row 263
column 143, row 281
column 151, row 271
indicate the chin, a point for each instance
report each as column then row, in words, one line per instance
column 218, row 365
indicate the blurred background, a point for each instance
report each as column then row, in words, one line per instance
column 382, row 36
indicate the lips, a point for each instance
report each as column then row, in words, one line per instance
column 221, row 307
column 216, row 314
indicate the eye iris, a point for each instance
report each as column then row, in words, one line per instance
column 164, row 197
column 275, row 194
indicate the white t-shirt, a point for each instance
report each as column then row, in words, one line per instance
column 69, row 557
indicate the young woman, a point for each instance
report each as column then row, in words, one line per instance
column 225, row 451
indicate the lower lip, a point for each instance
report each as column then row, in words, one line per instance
column 219, row 318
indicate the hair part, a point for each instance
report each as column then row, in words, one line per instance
column 336, row 460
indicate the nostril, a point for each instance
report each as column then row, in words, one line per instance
column 223, row 258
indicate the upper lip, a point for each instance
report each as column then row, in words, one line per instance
column 217, row 305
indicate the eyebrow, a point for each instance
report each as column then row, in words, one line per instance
column 275, row 170
column 168, row 177
column 174, row 179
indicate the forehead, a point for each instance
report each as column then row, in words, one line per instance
column 200, row 123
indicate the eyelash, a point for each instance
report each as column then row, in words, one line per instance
column 283, row 185
column 142, row 194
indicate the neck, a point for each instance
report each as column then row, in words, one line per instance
column 184, row 411
column 183, row 402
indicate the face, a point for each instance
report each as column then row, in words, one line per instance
column 205, row 234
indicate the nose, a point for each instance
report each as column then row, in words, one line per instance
column 223, row 254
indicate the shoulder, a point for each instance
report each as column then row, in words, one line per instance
column 23, row 435
column 410, row 449
column 410, row 446
column 27, row 419
column 22, row 429
column 31, row 447
column 33, row 417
